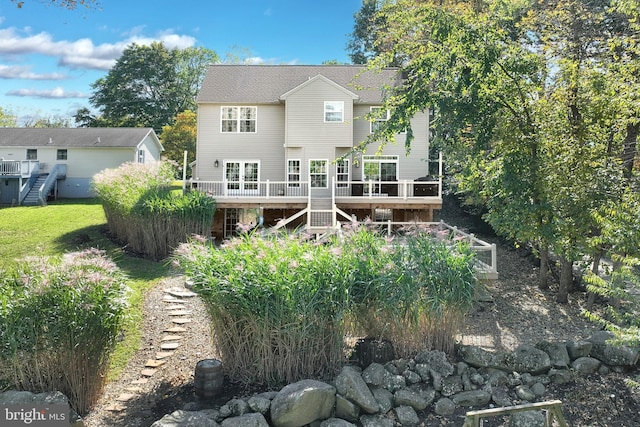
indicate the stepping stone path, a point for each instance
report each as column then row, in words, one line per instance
column 175, row 303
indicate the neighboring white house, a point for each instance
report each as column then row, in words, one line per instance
column 74, row 155
column 269, row 136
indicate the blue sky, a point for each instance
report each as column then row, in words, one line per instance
column 49, row 56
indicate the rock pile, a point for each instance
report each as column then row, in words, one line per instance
column 397, row 391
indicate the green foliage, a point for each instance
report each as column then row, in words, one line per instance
column 281, row 304
column 7, row 119
column 59, row 323
column 142, row 211
column 180, row 137
column 148, row 86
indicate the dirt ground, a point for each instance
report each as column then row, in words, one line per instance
column 519, row 313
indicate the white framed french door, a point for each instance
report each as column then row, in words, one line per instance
column 242, row 177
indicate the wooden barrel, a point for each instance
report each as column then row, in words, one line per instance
column 208, row 378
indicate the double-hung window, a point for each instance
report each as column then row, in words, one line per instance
column 238, row 119
column 140, row 156
column 61, row 154
column 334, row 111
column 342, row 173
column 32, row 154
column 378, row 117
column 293, row 173
column 318, row 176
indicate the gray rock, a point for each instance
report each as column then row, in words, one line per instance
column 528, row 379
column 375, row 421
column 557, row 351
column 451, row 386
column 238, row 407
column 350, row 384
column 560, row 376
column 538, row 389
column 498, row 378
column 267, row 394
column 524, row 393
column 185, row 419
column 610, row 354
column 586, row 365
column 259, row 404
column 347, row 410
column 12, row 397
column 302, row 402
column 411, row 377
column 409, row 398
column 477, row 379
column 437, row 361
column 424, row 371
column 472, row 398
column 476, row 356
column 406, row 416
column 527, row 358
column 604, row 370
column 444, row 407
column 578, row 349
column 461, row 368
column 527, row 419
column 375, row 374
column 336, row 422
column 500, row 395
column 246, row 420
column 384, row 398
column 395, row 382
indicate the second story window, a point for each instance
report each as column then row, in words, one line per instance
column 238, row 119
column 61, row 155
column 32, row 154
column 334, row 111
column 378, row 117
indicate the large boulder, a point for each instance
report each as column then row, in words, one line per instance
column 612, row 354
column 246, row 420
column 351, row 386
column 302, row 403
column 527, row 358
column 185, row 419
column 557, row 351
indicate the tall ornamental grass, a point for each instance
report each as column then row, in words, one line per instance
column 277, row 305
column 144, row 213
column 59, row 323
column 282, row 306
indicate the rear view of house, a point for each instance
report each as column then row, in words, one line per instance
column 38, row 162
column 274, row 146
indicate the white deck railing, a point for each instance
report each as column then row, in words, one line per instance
column 23, row 168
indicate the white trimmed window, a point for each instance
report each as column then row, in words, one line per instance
column 318, row 176
column 334, row 111
column 378, row 117
column 238, row 119
column 141, row 156
column 32, row 154
column 61, row 154
column 342, row 173
column 293, row 173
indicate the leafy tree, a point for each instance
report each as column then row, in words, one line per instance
column 48, row 122
column 7, row 119
column 180, row 137
column 148, row 86
column 68, row 4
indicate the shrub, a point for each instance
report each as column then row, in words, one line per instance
column 281, row 305
column 59, row 323
column 143, row 212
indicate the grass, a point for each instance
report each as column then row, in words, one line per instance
column 75, row 224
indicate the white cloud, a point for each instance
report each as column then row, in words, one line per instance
column 23, row 72
column 56, row 93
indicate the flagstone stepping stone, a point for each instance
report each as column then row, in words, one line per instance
column 171, row 337
column 179, row 313
column 140, row 381
column 174, row 307
column 116, row 407
column 148, row 372
column 151, row 363
column 163, row 354
column 180, row 293
column 173, row 300
column 180, row 321
column 134, row 389
column 124, row 397
column 176, row 330
column 170, row 345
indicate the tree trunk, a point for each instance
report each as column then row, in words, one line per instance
column 630, row 149
column 595, row 268
column 543, row 279
column 566, row 280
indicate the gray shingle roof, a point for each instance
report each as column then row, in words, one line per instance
column 225, row 83
column 72, row 137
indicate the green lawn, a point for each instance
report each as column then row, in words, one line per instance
column 69, row 225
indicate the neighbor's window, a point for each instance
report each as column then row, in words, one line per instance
column 318, row 173
column 378, row 118
column 293, row 173
column 140, row 156
column 334, row 111
column 61, row 155
column 238, row 119
column 32, row 154
column 342, row 173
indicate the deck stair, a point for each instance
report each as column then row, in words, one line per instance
column 33, row 196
